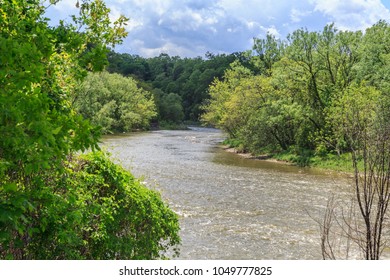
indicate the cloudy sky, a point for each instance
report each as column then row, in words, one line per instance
column 190, row 28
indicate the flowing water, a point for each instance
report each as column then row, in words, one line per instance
column 230, row 207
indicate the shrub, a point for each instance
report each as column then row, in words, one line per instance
column 94, row 210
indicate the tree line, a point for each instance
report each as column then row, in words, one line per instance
column 301, row 95
column 135, row 92
column 179, row 85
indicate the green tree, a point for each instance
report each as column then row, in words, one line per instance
column 187, row 77
column 363, row 117
column 222, row 96
column 115, row 103
column 171, row 109
column 50, row 202
column 374, row 65
column 253, row 110
column 269, row 51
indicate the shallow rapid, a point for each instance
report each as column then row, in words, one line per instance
column 230, row 207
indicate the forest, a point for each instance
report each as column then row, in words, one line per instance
column 315, row 93
column 178, row 86
column 312, row 97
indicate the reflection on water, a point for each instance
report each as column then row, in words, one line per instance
column 230, row 207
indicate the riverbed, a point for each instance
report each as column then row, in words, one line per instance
column 230, row 207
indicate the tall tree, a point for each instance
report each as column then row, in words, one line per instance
column 115, row 103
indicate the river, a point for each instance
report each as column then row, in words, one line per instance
column 230, row 207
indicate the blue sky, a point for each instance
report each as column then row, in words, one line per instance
column 190, row 28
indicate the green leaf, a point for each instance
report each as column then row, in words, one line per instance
column 57, row 130
column 11, row 187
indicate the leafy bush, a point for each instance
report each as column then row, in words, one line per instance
column 52, row 206
column 115, row 103
column 93, row 210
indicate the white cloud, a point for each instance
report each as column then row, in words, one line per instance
column 273, row 31
column 252, row 24
column 189, row 20
column 167, row 47
column 192, row 27
column 134, row 24
column 65, row 5
column 352, row 14
column 254, row 9
column 297, row 15
column 159, row 7
column 213, row 30
column 61, row 10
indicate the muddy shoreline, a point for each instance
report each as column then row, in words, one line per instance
column 251, row 156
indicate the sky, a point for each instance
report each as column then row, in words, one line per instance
column 190, row 28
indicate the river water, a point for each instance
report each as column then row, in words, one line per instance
column 230, row 207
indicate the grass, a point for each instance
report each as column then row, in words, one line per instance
column 342, row 163
column 309, row 158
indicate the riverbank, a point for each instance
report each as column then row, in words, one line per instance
column 265, row 157
column 334, row 163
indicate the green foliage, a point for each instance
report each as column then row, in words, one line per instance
column 36, row 120
column 114, row 103
column 53, row 206
column 93, row 210
column 171, row 109
column 254, row 110
column 131, row 220
column 187, row 77
column 307, row 94
column 38, row 76
column 353, row 116
column 225, row 109
column 268, row 51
